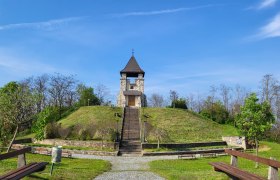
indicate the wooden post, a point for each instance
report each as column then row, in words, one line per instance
column 233, row 161
column 273, row 172
column 21, row 160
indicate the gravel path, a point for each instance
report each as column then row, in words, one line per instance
column 127, row 167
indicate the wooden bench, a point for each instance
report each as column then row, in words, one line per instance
column 208, row 155
column 23, row 169
column 235, row 173
column 190, row 156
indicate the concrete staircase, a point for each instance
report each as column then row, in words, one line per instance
column 131, row 143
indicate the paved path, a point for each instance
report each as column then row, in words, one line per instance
column 127, row 167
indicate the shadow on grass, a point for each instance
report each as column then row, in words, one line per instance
column 37, row 177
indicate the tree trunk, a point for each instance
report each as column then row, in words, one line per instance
column 257, row 151
column 12, row 141
column 158, row 143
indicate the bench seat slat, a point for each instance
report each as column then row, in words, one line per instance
column 233, row 171
column 24, row 171
column 15, row 171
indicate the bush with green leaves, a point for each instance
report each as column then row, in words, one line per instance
column 48, row 115
column 215, row 111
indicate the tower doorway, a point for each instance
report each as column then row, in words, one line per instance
column 131, row 100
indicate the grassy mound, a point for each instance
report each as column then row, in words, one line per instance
column 92, row 115
column 184, row 126
column 179, row 125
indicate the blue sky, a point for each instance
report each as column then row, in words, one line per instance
column 181, row 44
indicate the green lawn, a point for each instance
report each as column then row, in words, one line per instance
column 185, row 126
column 67, row 169
column 200, row 169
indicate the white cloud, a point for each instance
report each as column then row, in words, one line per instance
column 45, row 25
column 272, row 29
column 158, row 12
column 266, row 4
column 22, row 65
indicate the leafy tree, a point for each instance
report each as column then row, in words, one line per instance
column 87, row 96
column 144, row 102
column 180, row 103
column 215, row 111
column 48, row 115
column 255, row 119
column 16, row 108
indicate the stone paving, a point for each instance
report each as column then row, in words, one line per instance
column 127, row 167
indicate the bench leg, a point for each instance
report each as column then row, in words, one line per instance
column 272, row 172
column 21, row 160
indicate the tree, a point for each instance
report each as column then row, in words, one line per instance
column 60, row 88
column 275, row 132
column 156, row 100
column 225, row 93
column 160, row 134
column 215, row 111
column 255, row 119
column 16, row 108
column 102, row 93
column 180, row 103
column 87, row 96
column 191, row 104
column 268, row 85
column 144, row 102
column 173, row 97
column 40, row 88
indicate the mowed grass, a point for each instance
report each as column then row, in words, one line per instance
column 181, row 125
column 185, row 126
column 67, row 169
column 93, row 115
column 200, row 169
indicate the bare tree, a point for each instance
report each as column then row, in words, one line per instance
column 60, row 88
column 225, row 94
column 160, row 134
column 239, row 96
column 173, row 97
column 102, row 93
column 198, row 103
column 191, row 102
column 40, row 88
column 268, row 84
column 156, row 100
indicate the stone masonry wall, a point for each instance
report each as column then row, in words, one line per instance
column 235, row 141
column 58, row 142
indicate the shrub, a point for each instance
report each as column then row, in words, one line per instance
column 84, row 134
column 48, row 115
column 51, row 131
column 64, row 132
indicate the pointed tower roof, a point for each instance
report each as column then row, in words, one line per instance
column 132, row 68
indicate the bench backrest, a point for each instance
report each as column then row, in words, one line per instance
column 15, row 153
column 262, row 160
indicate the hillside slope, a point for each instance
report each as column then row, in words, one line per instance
column 184, row 126
column 180, row 125
column 93, row 115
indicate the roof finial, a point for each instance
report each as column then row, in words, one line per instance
column 132, row 52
